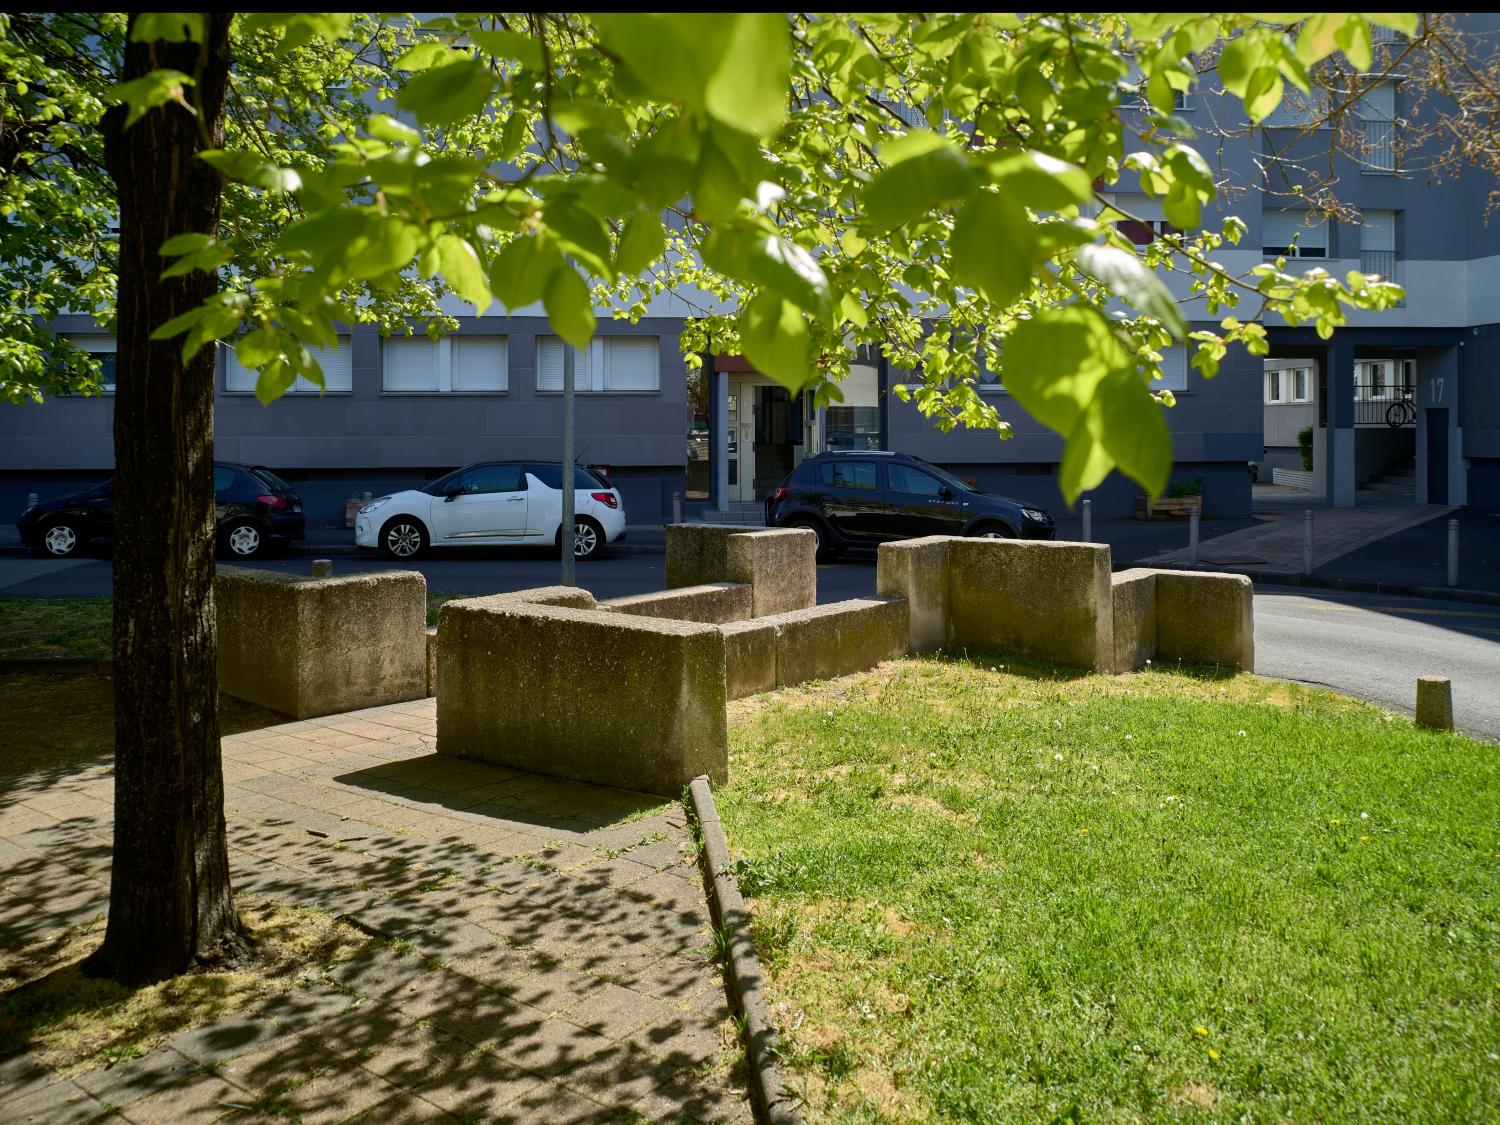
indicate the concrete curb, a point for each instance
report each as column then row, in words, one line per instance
column 773, row 1105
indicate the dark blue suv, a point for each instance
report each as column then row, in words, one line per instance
column 865, row 499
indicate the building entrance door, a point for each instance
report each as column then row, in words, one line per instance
column 1437, row 455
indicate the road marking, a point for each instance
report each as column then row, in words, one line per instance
column 1431, row 612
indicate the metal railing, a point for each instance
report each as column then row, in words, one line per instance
column 1380, row 145
column 1384, row 403
column 1384, row 264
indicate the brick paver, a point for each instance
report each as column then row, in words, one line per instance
column 547, row 954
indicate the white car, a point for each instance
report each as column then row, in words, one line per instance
column 494, row 503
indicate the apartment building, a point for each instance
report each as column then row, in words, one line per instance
column 1408, row 398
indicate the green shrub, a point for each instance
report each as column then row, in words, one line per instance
column 1304, row 439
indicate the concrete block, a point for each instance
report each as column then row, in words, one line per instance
column 1134, row 596
column 917, row 570
column 749, row 657
column 698, row 553
column 780, row 565
column 1046, row 600
column 1435, row 702
column 838, row 639
column 1205, row 618
column 318, row 646
column 573, row 597
column 607, row 698
column 715, row 603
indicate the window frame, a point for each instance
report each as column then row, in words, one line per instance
column 591, row 366
column 445, row 360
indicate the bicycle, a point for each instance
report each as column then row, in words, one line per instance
column 1402, row 412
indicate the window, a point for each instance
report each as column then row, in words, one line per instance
column 492, row 478
column 1287, row 233
column 1273, row 386
column 1377, row 112
column 1298, row 111
column 1300, row 383
column 338, row 372
column 103, row 349
column 223, row 479
column 1173, row 369
column 1377, row 243
column 1149, row 222
column 913, row 482
column 461, row 364
column 848, row 474
column 551, row 476
column 614, row 364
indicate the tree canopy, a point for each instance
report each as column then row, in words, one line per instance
column 927, row 185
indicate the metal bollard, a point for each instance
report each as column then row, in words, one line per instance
column 1088, row 521
column 1435, row 702
column 322, row 568
column 676, row 507
column 1307, row 528
column 1193, row 536
column 1452, row 552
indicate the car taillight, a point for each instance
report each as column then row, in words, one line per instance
column 606, row 498
column 272, row 501
column 780, row 494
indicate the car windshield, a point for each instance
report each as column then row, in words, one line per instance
column 435, row 488
column 270, row 478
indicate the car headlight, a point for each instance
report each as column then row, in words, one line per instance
column 1036, row 516
column 374, row 505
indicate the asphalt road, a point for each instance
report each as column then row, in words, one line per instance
column 1363, row 645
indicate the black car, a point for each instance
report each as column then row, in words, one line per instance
column 254, row 507
column 865, row 499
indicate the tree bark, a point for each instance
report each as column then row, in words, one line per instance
column 170, row 905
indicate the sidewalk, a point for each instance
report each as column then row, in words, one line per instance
column 553, row 961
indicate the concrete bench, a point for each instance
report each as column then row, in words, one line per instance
column 608, row 698
column 819, row 643
column 778, row 565
column 715, row 603
column 319, row 646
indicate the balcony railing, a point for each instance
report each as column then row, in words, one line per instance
column 1381, row 403
column 1384, row 264
column 1380, row 145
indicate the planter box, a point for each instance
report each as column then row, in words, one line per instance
column 1168, row 507
column 351, row 509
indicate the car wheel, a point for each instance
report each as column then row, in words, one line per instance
column 991, row 531
column 61, row 539
column 588, row 539
column 825, row 550
column 243, row 541
column 403, row 538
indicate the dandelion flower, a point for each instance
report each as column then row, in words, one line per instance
column 1201, row 1030
column 1213, row 1054
column 1057, row 757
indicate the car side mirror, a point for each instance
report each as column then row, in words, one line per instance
column 452, row 492
column 944, row 492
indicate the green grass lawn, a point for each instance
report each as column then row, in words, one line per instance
column 55, row 628
column 1029, row 895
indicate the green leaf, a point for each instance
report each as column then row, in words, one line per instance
column 258, row 348
column 1041, row 181
column 1126, row 276
column 148, row 92
column 250, row 169
column 185, row 244
column 387, row 128
column 774, row 337
column 180, row 323
column 167, row 27
column 509, row 45
column 385, row 245
column 717, row 189
column 276, row 378
column 1121, row 428
column 675, row 56
column 641, row 243
column 463, row 271
column 1355, row 40
column 583, row 234
column 749, row 90
column 425, row 56
column 569, row 306
column 937, row 173
column 994, row 247
column 447, row 95
column 297, row 28
column 519, row 273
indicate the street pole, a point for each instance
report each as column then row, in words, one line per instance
column 567, row 532
column 1452, row 553
column 1307, row 541
column 1088, row 521
column 1193, row 536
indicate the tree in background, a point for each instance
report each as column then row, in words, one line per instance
column 928, row 185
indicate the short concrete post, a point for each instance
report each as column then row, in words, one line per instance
column 31, row 500
column 1307, row 529
column 1193, row 536
column 676, row 507
column 1452, row 552
column 1088, row 521
column 322, row 568
column 1435, row 702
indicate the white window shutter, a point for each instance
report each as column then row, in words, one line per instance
column 238, row 379
column 1280, row 226
column 549, row 364
column 632, row 363
column 480, row 363
column 338, row 370
column 1141, row 206
column 410, row 364
column 1173, row 369
column 1377, row 230
column 1378, row 103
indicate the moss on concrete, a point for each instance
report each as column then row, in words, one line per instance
column 1205, row 618
column 917, row 570
column 715, row 603
column 749, row 657
column 1134, row 596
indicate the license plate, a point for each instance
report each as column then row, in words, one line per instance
column 296, row 507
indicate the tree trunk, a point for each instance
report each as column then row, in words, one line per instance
column 170, row 906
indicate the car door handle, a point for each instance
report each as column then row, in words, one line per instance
column 516, row 500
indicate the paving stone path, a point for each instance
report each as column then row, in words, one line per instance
column 552, row 962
